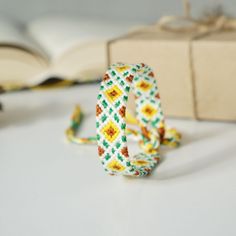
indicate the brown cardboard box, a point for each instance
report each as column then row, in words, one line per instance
column 196, row 74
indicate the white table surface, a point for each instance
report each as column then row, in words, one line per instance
column 49, row 187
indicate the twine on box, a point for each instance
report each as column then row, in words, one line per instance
column 215, row 21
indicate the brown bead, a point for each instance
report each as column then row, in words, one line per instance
column 98, row 110
column 129, row 78
column 157, row 96
column 106, row 77
column 151, row 74
column 161, row 131
column 142, row 64
column 122, row 111
column 125, row 152
column 100, row 151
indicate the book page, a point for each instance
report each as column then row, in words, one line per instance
column 13, row 34
column 58, row 34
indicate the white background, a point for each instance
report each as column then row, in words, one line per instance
column 49, row 187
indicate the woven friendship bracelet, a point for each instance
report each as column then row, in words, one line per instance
column 112, row 117
column 111, row 123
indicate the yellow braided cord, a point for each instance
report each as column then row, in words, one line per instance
column 76, row 120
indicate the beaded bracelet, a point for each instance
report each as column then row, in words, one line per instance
column 111, row 119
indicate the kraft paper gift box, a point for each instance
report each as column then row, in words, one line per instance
column 196, row 73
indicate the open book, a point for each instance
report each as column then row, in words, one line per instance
column 62, row 47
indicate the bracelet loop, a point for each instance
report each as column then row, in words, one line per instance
column 112, row 117
column 111, row 125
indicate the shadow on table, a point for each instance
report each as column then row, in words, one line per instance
column 199, row 164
